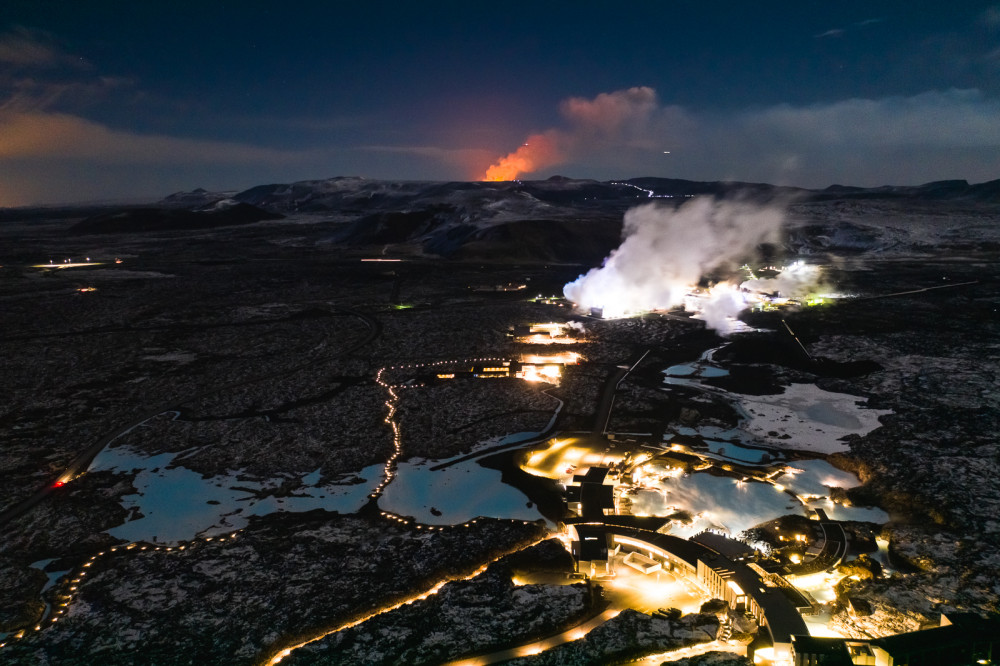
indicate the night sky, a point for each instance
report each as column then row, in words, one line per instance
column 102, row 100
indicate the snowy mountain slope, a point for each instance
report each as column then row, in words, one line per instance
column 567, row 220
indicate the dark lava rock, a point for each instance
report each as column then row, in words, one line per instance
column 160, row 219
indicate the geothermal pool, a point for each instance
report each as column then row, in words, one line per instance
column 732, row 506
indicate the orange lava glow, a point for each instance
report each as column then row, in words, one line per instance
column 538, row 152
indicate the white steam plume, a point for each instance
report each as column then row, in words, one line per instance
column 665, row 251
column 796, row 281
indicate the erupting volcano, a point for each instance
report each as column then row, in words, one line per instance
column 538, row 152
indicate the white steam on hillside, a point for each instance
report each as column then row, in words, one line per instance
column 666, row 251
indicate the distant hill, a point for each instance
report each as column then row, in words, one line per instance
column 555, row 220
column 940, row 190
column 135, row 220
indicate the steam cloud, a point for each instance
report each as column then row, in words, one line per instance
column 666, row 251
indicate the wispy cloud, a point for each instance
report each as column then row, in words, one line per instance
column 467, row 159
column 36, row 94
column 36, row 73
column 930, row 136
column 40, row 135
column 28, row 48
column 840, row 32
column 991, row 16
column 833, row 32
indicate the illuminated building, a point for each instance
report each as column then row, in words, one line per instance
column 961, row 638
column 723, row 568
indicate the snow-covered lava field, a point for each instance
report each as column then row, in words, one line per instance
column 312, row 422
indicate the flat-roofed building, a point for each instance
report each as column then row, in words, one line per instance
column 774, row 602
column 820, row 651
column 962, row 639
column 589, row 546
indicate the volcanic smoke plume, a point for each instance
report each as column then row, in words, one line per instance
column 665, row 251
column 539, row 151
column 610, row 119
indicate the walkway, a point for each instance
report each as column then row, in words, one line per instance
column 542, row 645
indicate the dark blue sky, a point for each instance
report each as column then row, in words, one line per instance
column 101, row 99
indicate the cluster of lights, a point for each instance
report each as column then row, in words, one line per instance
column 548, row 334
column 69, row 263
column 649, row 193
column 692, row 651
column 420, row 526
column 389, row 470
column 565, row 358
column 402, row 520
column 72, row 582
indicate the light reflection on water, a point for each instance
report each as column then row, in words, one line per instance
column 723, row 503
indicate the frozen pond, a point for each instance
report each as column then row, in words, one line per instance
column 805, row 417
column 457, row 493
column 802, row 417
column 178, row 504
column 53, row 578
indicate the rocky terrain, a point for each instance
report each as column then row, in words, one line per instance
column 240, row 600
column 465, row 618
column 249, row 353
column 630, row 634
column 711, row 659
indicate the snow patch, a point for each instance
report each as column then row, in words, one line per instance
column 807, row 418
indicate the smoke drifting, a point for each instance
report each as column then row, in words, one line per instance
column 610, row 118
column 795, row 281
column 666, row 251
column 932, row 135
column 538, row 152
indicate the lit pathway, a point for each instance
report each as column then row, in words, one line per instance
column 538, row 647
column 389, row 474
column 692, row 651
column 68, row 585
column 275, row 659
